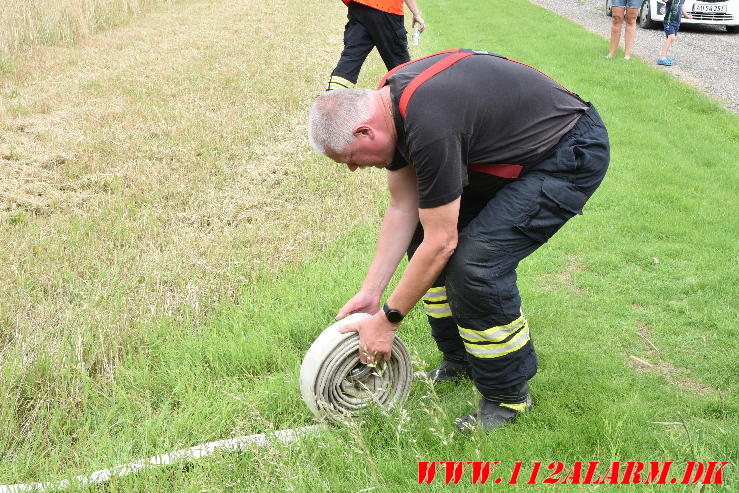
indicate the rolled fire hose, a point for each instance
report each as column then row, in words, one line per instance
column 335, row 384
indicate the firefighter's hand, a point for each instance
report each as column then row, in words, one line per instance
column 361, row 303
column 376, row 336
column 417, row 19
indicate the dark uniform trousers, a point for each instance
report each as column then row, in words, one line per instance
column 474, row 308
column 367, row 28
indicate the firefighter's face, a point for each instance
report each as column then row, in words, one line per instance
column 369, row 149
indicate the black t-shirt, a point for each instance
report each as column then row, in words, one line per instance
column 482, row 109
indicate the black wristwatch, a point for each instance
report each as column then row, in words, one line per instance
column 393, row 315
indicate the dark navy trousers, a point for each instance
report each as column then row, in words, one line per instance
column 474, row 308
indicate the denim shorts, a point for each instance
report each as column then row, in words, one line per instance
column 671, row 28
column 632, row 4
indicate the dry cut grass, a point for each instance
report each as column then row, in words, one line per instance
column 33, row 22
column 150, row 173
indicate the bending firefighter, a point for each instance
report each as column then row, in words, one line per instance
column 486, row 159
column 373, row 23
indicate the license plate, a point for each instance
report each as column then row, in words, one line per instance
column 707, row 7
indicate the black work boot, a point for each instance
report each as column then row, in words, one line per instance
column 494, row 412
column 450, row 371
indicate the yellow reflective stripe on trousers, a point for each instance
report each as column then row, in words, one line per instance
column 498, row 350
column 494, row 334
column 435, row 303
column 337, row 82
column 520, row 407
column 437, row 310
column 435, row 294
column 496, row 341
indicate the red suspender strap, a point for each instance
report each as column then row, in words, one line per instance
column 434, row 69
column 387, row 76
column 500, row 170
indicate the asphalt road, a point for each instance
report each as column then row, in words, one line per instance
column 705, row 56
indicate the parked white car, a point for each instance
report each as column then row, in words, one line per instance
column 711, row 12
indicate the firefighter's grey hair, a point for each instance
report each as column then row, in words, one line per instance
column 334, row 115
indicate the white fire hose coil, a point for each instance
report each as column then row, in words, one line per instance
column 334, row 383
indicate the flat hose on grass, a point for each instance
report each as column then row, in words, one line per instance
column 335, row 384
column 238, row 444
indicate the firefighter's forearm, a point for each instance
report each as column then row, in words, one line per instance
column 423, row 269
column 439, row 241
column 397, row 230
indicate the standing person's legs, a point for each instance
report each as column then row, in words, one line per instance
column 630, row 31
column 618, row 17
column 388, row 33
column 666, row 46
column 670, row 34
column 357, row 45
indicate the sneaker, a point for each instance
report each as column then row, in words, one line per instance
column 492, row 415
column 449, row 371
column 667, row 61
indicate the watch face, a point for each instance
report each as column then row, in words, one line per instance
column 394, row 316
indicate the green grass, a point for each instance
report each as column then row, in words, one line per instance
column 654, row 254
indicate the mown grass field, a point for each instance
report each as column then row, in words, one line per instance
column 30, row 23
column 172, row 247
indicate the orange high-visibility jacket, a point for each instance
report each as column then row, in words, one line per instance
column 389, row 6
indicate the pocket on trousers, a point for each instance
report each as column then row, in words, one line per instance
column 402, row 34
column 559, row 201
